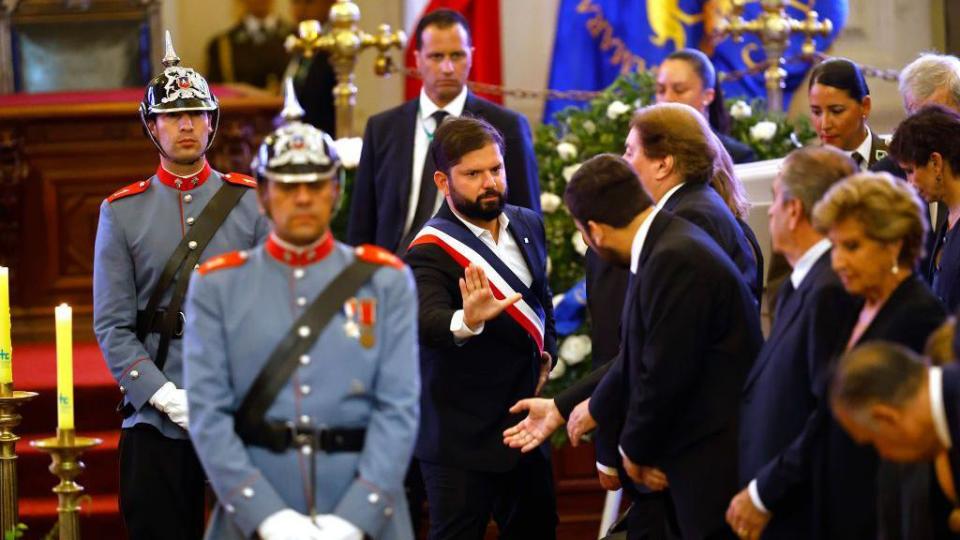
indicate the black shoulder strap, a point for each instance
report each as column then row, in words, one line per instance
column 301, row 337
column 181, row 263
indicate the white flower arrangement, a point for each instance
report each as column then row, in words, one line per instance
column 558, row 370
column 570, row 170
column 550, row 202
column 763, row 131
column 578, row 244
column 575, row 349
column 616, row 109
column 740, row 110
column 567, row 151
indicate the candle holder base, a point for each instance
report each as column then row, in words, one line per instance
column 65, row 449
column 10, row 402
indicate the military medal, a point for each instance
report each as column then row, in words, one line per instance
column 368, row 318
column 350, row 327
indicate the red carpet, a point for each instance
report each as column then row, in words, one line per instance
column 95, row 397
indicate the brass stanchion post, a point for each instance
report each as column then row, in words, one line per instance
column 774, row 27
column 10, row 402
column 65, row 450
column 344, row 42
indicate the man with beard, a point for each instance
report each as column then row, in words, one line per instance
column 486, row 340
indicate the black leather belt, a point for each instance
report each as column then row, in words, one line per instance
column 279, row 437
column 157, row 326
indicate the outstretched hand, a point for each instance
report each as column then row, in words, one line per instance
column 479, row 303
column 543, row 418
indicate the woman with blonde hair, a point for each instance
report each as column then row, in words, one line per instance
column 876, row 225
column 686, row 170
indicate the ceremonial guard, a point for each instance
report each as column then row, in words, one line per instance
column 302, row 373
column 151, row 236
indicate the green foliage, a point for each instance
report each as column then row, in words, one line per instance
column 788, row 132
column 15, row 532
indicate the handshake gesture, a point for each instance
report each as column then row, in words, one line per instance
column 479, row 303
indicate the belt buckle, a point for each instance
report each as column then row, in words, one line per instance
column 300, row 438
column 181, row 324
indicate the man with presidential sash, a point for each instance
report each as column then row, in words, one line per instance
column 487, row 340
column 301, row 364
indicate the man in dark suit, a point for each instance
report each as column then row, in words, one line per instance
column 785, row 384
column 252, row 51
column 394, row 194
column 884, row 395
column 690, row 330
column 487, row 339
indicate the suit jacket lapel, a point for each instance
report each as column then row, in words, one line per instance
column 878, row 149
column 521, row 235
column 794, row 306
column 406, row 131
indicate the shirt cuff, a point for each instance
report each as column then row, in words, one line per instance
column 755, row 496
column 609, row 471
column 461, row 331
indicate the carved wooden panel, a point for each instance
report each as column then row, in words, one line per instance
column 76, row 155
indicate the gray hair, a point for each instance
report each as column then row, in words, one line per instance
column 928, row 73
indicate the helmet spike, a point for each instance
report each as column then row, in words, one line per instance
column 292, row 111
column 170, row 57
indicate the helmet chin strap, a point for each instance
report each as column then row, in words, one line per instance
column 145, row 120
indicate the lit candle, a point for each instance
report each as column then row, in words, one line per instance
column 6, row 345
column 64, row 318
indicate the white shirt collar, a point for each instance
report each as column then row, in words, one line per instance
column 638, row 239
column 865, row 147
column 667, row 195
column 937, row 407
column 455, row 107
column 255, row 25
column 479, row 231
column 806, row 262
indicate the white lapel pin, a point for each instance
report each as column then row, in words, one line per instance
column 526, row 240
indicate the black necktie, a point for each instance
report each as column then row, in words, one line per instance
column 858, row 159
column 427, row 198
column 786, row 290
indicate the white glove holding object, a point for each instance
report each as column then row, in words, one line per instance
column 289, row 524
column 172, row 402
column 334, row 527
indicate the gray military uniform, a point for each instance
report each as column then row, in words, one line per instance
column 240, row 307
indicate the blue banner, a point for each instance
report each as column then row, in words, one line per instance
column 596, row 40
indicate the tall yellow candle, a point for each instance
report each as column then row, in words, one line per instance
column 64, row 319
column 6, row 344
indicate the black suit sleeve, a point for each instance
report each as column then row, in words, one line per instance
column 571, row 396
column 829, row 326
column 214, row 69
column 523, row 178
column 438, row 294
column 668, row 364
column 362, row 226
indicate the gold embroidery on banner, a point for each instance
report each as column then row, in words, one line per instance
column 599, row 26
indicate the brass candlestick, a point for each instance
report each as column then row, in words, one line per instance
column 774, row 27
column 65, row 450
column 344, row 42
column 10, row 401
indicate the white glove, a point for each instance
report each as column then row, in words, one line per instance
column 172, row 402
column 289, row 524
column 334, row 527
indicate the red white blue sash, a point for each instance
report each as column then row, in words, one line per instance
column 465, row 248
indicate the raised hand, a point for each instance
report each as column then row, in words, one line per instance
column 479, row 303
column 543, row 418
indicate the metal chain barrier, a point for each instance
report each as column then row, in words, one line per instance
column 890, row 75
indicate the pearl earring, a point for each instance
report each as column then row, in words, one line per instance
column 895, row 269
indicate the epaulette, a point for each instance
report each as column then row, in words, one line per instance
column 240, row 179
column 227, row 260
column 377, row 255
column 133, row 189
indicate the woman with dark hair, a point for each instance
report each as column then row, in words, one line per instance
column 839, row 108
column 925, row 146
column 687, row 76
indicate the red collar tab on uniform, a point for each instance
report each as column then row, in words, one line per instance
column 184, row 183
column 294, row 256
